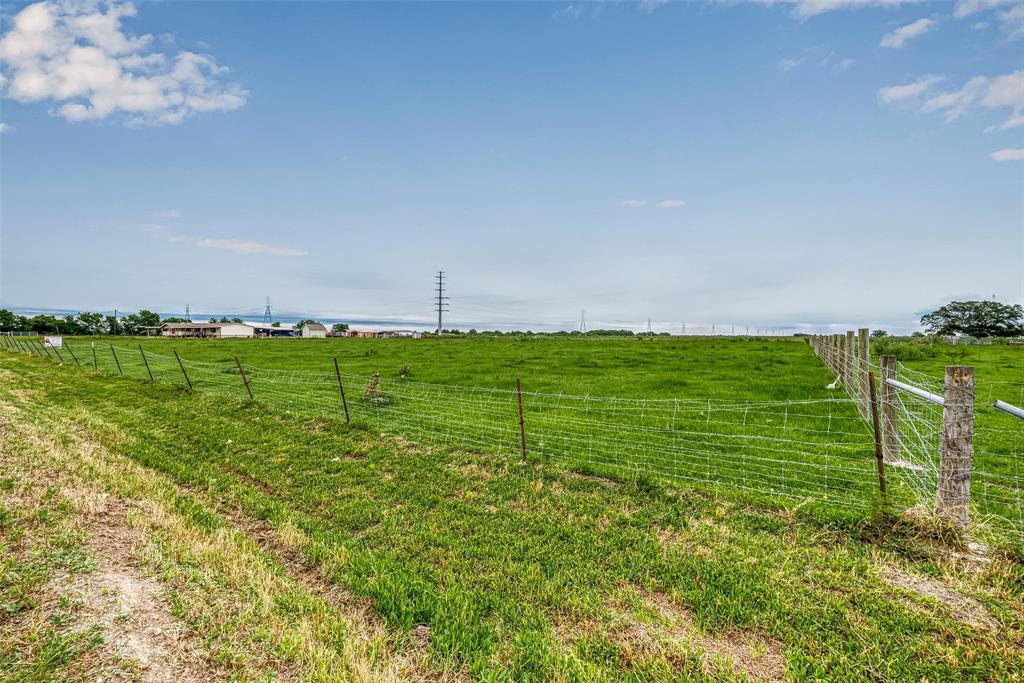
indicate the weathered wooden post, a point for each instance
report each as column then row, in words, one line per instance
column 955, row 459
column 864, row 366
column 890, row 415
column 851, row 383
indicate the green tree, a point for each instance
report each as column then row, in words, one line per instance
column 878, row 334
column 976, row 319
column 339, row 328
column 133, row 324
column 9, row 322
column 308, row 321
column 92, row 323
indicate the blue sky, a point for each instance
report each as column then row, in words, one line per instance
column 749, row 164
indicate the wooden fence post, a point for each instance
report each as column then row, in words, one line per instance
column 955, row 460
column 522, row 425
column 114, row 354
column 182, row 366
column 244, row 379
column 863, row 367
column 890, row 415
column 151, row 378
column 341, row 389
column 852, row 386
column 879, row 458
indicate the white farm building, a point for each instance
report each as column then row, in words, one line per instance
column 206, row 330
column 314, row 330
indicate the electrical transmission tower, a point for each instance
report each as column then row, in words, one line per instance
column 442, row 300
column 267, row 316
column 649, row 330
column 583, row 321
column 188, row 313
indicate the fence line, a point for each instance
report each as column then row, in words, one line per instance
column 817, row 449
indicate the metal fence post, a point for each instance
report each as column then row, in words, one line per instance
column 182, row 366
column 890, row 414
column 151, row 378
column 114, row 354
column 72, row 352
column 244, row 378
column 955, row 460
column 341, row 389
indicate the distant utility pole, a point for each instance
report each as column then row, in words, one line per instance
column 267, row 316
column 188, row 313
column 684, row 329
column 712, row 329
column 583, row 321
column 441, row 300
column 115, row 322
column 649, row 326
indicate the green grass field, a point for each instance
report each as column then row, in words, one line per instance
column 472, row 562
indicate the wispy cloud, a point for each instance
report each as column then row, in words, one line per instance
column 170, row 213
column 648, row 6
column 671, row 203
column 249, row 247
column 1009, row 154
column 907, row 91
column 989, row 93
column 78, row 56
column 151, row 227
column 805, row 9
column 900, row 36
column 788, row 64
column 6, row 128
column 1010, row 14
column 634, row 202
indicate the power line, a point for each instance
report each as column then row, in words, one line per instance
column 441, row 301
column 188, row 313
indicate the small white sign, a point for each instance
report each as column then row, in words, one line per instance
column 53, row 342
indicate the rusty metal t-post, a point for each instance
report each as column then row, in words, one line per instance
column 144, row 360
column 182, row 366
column 341, row 389
column 244, row 378
column 522, row 422
column 879, row 459
column 116, row 361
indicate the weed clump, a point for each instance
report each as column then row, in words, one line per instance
column 373, row 392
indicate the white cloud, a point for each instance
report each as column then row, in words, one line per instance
column 648, row 6
column 788, row 64
column 965, row 8
column 671, row 203
column 170, row 213
column 1010, row 16
column 1009, row 154
column 812, row 8
column 77, row 56
column 634, row 202
column 151, row 227
column 844, row 64
column 989, row 93
column 249, row 247
column 900, row 36
column 899, row 93
column 6, row 128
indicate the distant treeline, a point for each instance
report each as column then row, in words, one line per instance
column 83, row 323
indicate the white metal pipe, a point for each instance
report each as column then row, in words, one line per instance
column 1009, row 409
column 911, row 389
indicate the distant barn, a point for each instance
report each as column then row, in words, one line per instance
column 314, row 330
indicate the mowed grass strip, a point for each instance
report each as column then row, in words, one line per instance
column 515, row 570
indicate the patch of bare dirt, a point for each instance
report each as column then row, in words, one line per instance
column 131, row 607
column 758, row 657
column 965, row 609
column 603, row 481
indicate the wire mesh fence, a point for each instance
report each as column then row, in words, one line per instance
column 821, row 450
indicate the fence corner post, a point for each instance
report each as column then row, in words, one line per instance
column 955, row 459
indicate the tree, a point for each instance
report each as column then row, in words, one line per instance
column 10, row 322
column 133, row 324
column 339, row 329
column 976, row 319
column 307, row 321
column 878, row 334
column 92, row 323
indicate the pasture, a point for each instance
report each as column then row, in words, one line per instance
column 457, row 559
